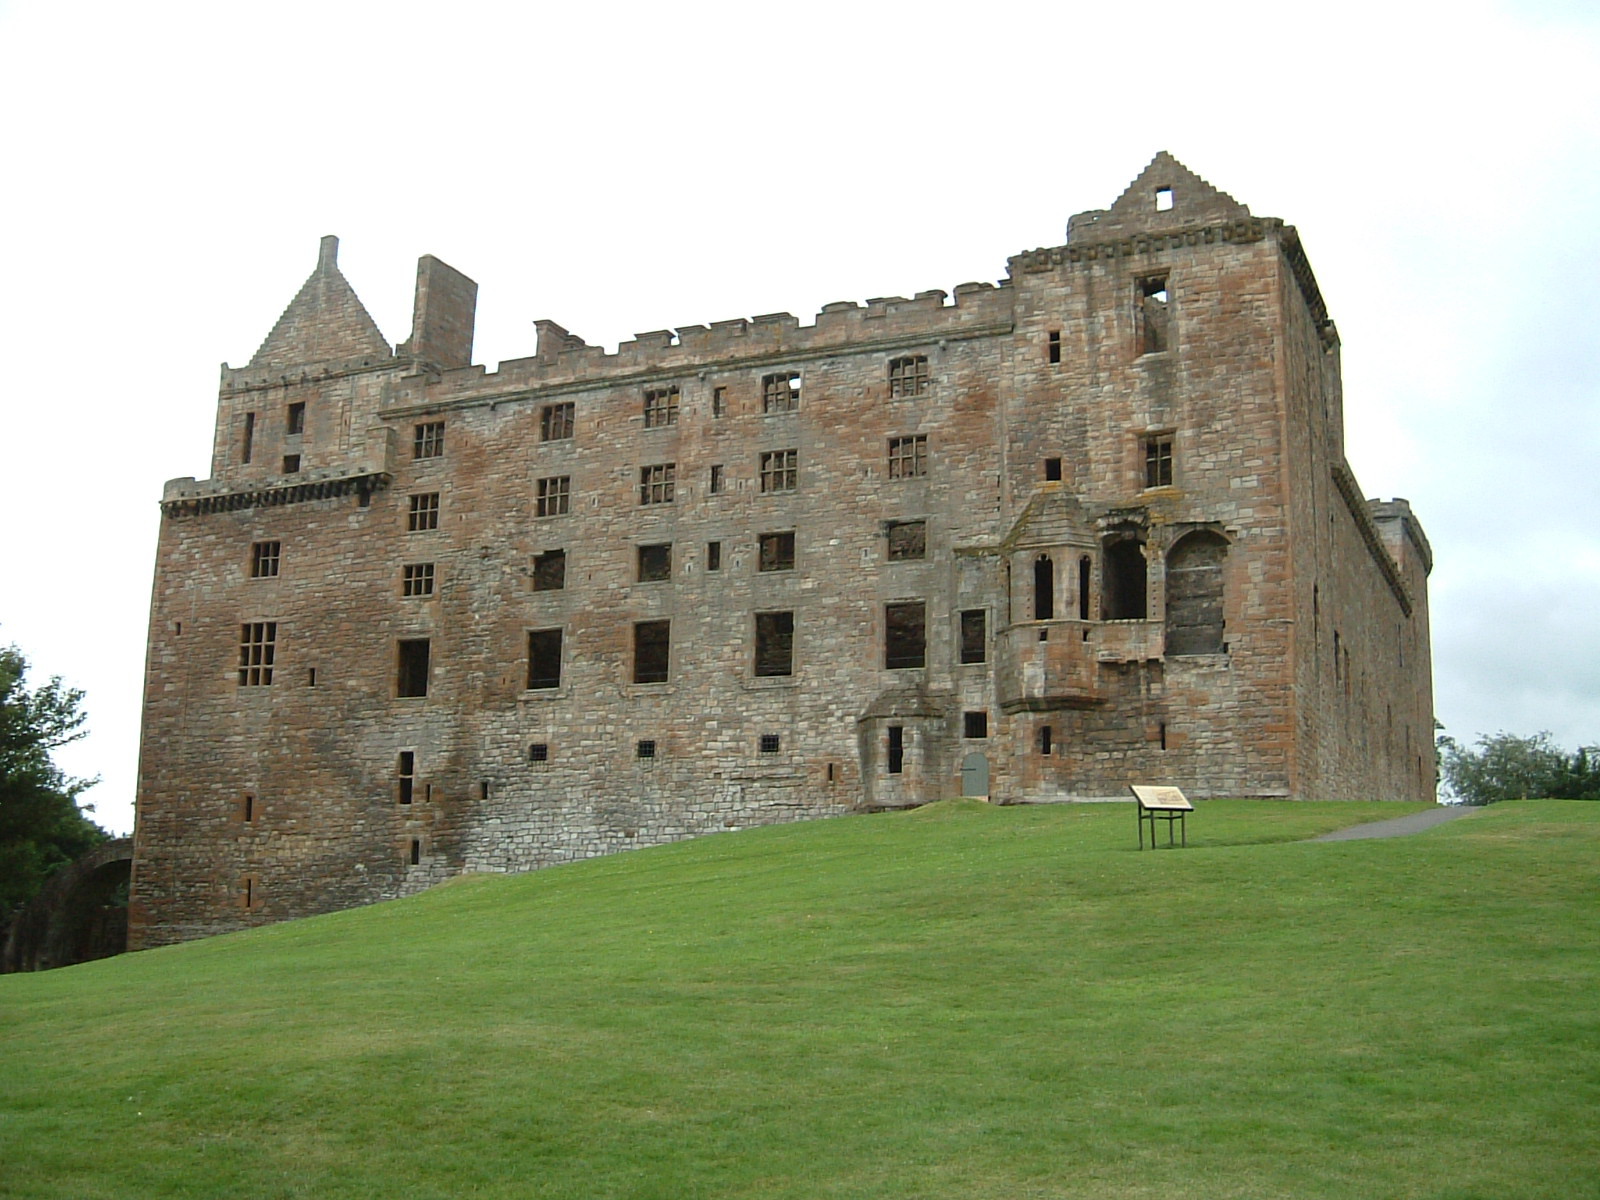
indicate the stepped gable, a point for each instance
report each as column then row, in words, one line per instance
column 325, row 322
column 1166, row 181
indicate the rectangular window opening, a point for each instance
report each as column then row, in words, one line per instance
column 655, row 562
column 1052, row 470
column 907, row 540
column 713, row 556
column 1154, row 314
column 248, row 442
column 781, row 392
column 416, row 579
column 770, row 743
column 423, row 514
column 652, row 651
column 774, row 644
column 295, row 419
column 412, row 667
column 1046, row 741
column 897, row 749
column 416, row 852
column 975, row 724
column 777, row 551
column 539, row 752
column 660, row 407
column 908, row 376
column 406, row 775
column 645, row 748
column 258, row 649
column 905, row 642
column 657, row 483
column 780, row 471
column 554, row 496
column 719, row 402
column 974, row 635
column 264, row 558
column 1158, row 461
column 550, row 571
column 1053, row 346
column 555, row 422
column 291, row 464
column 248, row 808
column 908, row 456
column 544, row 659
column 427, row 440
column 483, row 789
column 1164, row 199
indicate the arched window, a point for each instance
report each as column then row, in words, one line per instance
column 1194, row 594
column 1123, row 584
column 1044, row 588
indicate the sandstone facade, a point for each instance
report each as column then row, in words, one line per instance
column 1036, row 540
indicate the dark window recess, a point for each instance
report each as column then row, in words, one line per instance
column 539, row 752
column 412, row 663
column 657, row 483
column 713, row 556
column 423, row 513
column 555, row 422
column 897, row 749
column 311, row 677
column 777, row 551
column 1052, row 346
column 907, row 540
column 908, row 456
column 719, row 402
column 974, row 635
column 775, row 644
column 652, row 642
column 770, row 743
column 264, row 558
column 908, row 376
column 1052, row 470
column 645, row 748
column 660, row 407
column 291, row 464
column 1194, row 594
column 1046, row 740
column 1161, row 734
column 258, row 649
column 555, row 496
column 780, row 393
column 1085, row 566
column 295, row 420
column 406, row 775
column 416, row 852
column 975, row 724
column 655, row 562
column 483, row 789
column 1044, row 588
column 780, row 471
column 718, row 480
column 1123, row 584
column 1158, row 462
column 416, row 579
column 905, row 641
column 544, row 659
column 550, row 571
column 248, row 808
column 248, row 442
column 427, row 440
column 1155, row 315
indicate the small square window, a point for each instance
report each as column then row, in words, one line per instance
column 412, row 663
column 555, row 422
column 550, row 571
column 781, row 392
column 416, row 579
column 713, row 556
column 539, row 752
column 660, row 407
column 975, row 724
column 248, row 442
column 291, row 464
column 780, row 470
column 908, row 456
column 908, row 376
column 777, row 551
column 907, row 540
column 657, row 483
column 554, row 496
column 428, row 440
column 770, row 743
column 645, row 748
column 264, row 557
column 295, row 420
column 655, row 562
column 1164, row 199
column 424, row 512
column 1158, row 461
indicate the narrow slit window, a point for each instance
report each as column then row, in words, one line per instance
column 1044, row 588
column 896, row 758
column 416, row 852
column 719, row 402
column 718, row 480
column 1052, row 346
column 1046, row 741
column 713, row 556
column 406, row 776
column 248, row 440
column 1085, row 566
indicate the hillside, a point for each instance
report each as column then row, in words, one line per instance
column 959, row 1001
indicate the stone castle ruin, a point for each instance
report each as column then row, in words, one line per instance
column 1034, row 540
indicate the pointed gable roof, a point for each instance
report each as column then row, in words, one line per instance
column 1190, row 201
column 325, row 322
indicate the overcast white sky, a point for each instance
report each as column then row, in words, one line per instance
column 168, row 169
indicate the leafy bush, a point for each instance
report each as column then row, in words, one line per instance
column 1507, row 767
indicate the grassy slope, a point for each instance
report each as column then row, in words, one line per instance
column 961, row 1001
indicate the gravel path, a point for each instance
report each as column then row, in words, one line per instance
column 1413, row 823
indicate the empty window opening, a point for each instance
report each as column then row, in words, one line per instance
column 427, row 440
column 974, row 635
column 1085, row 566
column 897, row 749
column 908, row 456
column 363, row 494
column 975, row 724
column 660, row 407
column 713, row 556
column 555, row 422
column 908, row 376
column 1154, row 314
column 427, row 791
column 423, row 514
column 645, row 748
column 311, row 677
column 780, row 470
column 1124, row 581
column 1194, row 594
column 550, row 571
column 781, row 392
column 770, row 743
column 248, row 442
column 539, row 752
column 483, row 789
column 412, row 667
column 652, row 647
column 777, row 551
column 264, row 559
column 718, row 480
column 830, row 772
column 907, row 540
column 657, row 483
column 249, row 892
column 655, row 562
column 774, row 644
column 258, row 649
column 1047, row 737
column 406, row 775
column 554, row 496
column 1044, row 588
column 719, row 402
column 1158, row 461
column 905, row 640
column 295, row 420
column 1053, row 346
column 1161, row 734
column 416, row 579
column 291, row 464
column 1052, row 470
column 544, row 659
column 248, row 808
column 1163, row 199
column 416, row 851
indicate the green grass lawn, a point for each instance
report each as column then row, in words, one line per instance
column 961, row 1001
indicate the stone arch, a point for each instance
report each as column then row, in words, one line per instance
column 1124, row 581
column 81, row 915
column 1194, row 594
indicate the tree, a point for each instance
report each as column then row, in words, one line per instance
column 41, row 826
column 1507, row 767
